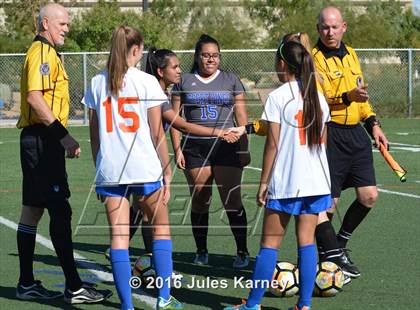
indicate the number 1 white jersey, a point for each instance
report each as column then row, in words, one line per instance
column 127, row 154
column 297, row 171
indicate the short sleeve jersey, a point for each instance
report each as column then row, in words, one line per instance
column 209, row 102
column 297, row 171
column 339, row 75
column 127, row 154
column 43, row 71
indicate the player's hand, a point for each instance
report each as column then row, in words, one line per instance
column 233, row 134
column 379, row 137
column 358, row 94
column 71, row 146
column 262, row 195
column 180, row 160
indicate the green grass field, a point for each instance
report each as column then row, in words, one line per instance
column 386, row 246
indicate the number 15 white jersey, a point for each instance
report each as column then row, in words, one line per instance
column 127, row 154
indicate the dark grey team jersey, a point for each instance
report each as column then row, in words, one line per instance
column 209, row 103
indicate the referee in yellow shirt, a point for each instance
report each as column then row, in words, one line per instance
column 349, row 148
column 43, row 143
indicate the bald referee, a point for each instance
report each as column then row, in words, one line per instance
column 43, row 142
column 349, row 148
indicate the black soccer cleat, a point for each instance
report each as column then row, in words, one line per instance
column 36, row 291
column 347, row 266
column 86, row 294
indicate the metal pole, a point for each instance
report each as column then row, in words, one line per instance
column 410, row 82
column 145, row 5
column 85, row 119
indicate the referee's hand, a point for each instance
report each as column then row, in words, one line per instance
column 358, row 94
column 71, row 146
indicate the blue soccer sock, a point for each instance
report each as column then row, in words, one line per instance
column 264, row 267
column 307, row 273
column 121, row 270
column 162, row 258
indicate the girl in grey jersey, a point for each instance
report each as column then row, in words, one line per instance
column 215, row 99
column 164, row 65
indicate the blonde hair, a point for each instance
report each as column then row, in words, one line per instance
column 123, row 39
column 300, row 37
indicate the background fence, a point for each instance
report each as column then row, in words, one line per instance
column 393, row 76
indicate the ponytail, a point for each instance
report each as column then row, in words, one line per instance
column 157, row 59
column 312, row 114
column 300, row 37
column 123, row 39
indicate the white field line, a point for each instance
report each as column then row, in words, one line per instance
column 102, row 274
column 404, row 144
column 398, row 193
column 379, row 189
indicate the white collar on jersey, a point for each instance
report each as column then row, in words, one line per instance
column 207, row 81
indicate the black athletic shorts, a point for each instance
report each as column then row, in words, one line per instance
column 43, row 164
column 350, row 159
column 209, row 152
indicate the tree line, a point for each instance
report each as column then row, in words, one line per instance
column 176, row 24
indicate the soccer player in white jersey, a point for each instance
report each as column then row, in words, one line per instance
column 295, row 177
column 131, row 156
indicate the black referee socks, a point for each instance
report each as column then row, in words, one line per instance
column 354, row 216
column 326, row 241
column 26, row 245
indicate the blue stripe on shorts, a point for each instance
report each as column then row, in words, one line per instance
column 125, row 190
column 301, row 205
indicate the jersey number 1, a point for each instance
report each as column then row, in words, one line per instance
column 302, row 131
column 124, row 114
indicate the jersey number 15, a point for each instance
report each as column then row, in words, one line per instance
column 124, row 114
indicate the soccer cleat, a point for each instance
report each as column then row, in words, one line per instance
column 89, row 285
column 347, row 279
column 36, row 291
column 201, row 257
column 171, row 303
column 243, row 306
column 346, row 253
column 106, row 293
column 241, row 260
column 346, row 265
column 86, row 294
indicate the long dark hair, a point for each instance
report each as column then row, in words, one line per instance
column 158, row 59
column 299, row 63
column 123, row 39
column 204, row 39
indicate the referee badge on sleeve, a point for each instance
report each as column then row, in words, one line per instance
column 44, row 69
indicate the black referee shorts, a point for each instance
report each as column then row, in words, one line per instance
column 210, row 152
column 350, row 159
column 43, row 167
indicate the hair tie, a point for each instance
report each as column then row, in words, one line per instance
column 284, row 58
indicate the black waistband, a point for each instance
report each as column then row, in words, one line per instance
column 39, row 129
column 332, row 124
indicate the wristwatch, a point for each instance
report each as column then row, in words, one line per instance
column 376, row 123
